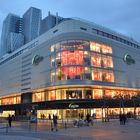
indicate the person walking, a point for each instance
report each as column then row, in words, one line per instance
column 10, row 120
column 88, row 119
column 55, row 122
column 49, row 116
column 121, row 119
column 124, row 119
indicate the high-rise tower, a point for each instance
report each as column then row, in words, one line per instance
column 31, row 24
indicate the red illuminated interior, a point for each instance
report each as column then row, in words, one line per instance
column 72, row 58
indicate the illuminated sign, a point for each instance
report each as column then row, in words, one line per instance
column 73, row 105
column 36, row 60
column 128, row 59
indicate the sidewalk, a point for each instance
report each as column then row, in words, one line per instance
column 9, row 137
column 99, row 131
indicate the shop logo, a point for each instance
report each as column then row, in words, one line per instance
column 37, row 59
column 73, row 105
column 128, row 59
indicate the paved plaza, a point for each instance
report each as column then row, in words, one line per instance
column 99, row 131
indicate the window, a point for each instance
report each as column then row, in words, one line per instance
column 108, row 76
column 38, row 97
column 96, row 60
column 106, row 49
column 97, row 75
column 95, row 47
column 97, row 93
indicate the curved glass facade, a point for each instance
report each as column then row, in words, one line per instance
column 79, row 59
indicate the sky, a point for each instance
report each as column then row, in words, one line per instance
column 122, row 16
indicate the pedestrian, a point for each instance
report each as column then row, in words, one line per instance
column 49, row 116
column 55, row 122
column 121, row 119
column 43, row 116
column 82, row 116
column 88, row 119
column 10, row 120
column 124, row 118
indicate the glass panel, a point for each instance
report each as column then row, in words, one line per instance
column 74, row 94
column 106, row 49
column 108, row 76
column 97, row 75
column 95, row 47
column 72, row 58
column 58, row 94
column 96, row 60
column 52, row 48
column 73, row 72
column 11, row 100
column 51, row 95
column 87, row 74
column 58, row 47
column 97, row 93
column 38, row 97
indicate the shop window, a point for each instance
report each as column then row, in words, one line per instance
column 58, row 94
column 74, row 94
column 109, row 94
column 11, row 100
column 38, row 97
column 51, row 95
column 97, row 93
column 88, row 94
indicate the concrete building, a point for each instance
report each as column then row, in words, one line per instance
column 76, row 67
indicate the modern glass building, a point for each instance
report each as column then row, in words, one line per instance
column 10, row 25
column 31, row 23
column 75, row 67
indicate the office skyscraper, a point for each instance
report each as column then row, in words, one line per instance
column 11, row 24
column 49, row 22
column 18, row 31
column 31, row 24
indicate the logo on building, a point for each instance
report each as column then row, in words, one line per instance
column 37, row 59
column 73, row 105
column 128, row 59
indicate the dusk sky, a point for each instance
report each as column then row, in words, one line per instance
column 120, row 15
